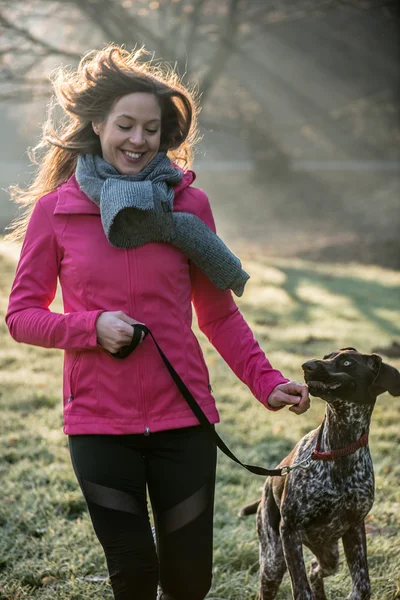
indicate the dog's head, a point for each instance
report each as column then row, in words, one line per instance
column 349, row 375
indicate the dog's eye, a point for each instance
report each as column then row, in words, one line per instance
column 346, row 363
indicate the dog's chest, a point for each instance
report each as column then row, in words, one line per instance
column 329, row 497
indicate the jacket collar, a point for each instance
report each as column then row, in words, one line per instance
column 72, row 201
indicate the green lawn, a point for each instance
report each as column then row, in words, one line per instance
column 298, row 310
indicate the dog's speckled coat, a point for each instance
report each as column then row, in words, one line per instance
column 330, row 500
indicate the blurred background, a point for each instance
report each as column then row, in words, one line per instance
column 300, row 153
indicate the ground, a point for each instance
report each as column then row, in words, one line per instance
column 298, row 309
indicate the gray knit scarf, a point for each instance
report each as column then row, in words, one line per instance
column 138, row 209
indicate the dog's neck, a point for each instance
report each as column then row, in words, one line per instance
column 344, row 424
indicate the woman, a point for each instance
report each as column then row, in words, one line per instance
column 131, row 241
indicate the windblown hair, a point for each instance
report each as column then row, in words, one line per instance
column 88, row 94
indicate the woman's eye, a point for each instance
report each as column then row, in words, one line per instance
column 125, row 128
column 152, row 131
column 346, row 363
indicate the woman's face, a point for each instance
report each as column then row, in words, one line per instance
column 130, row 135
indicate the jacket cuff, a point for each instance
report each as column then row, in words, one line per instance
column 269, row 387
column 91, row 328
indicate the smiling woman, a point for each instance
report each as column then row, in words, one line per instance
column 114, row 217
column 112, row 91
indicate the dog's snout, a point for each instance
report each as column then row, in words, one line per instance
column 309, row 366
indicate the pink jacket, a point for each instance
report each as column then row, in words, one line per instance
column 154, row 284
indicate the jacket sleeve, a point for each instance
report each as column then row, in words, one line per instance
column 221, row 321
column 28, row 317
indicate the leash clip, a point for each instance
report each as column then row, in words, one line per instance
column 304, row 464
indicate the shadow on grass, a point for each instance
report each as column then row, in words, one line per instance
column 366, row 296
column 346, row 296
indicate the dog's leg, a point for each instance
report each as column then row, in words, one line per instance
column 272, row 561
column 293, row 551
column 326, row 563
column 355, row 548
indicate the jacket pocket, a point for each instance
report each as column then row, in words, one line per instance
column 73, row 376
column 197, row 368
column 203, row 362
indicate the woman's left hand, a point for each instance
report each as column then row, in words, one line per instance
column 290, row 393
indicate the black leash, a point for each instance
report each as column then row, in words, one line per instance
column 138, row 330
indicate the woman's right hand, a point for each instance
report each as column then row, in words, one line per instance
column 114, row 330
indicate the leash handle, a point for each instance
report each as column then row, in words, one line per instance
column 138, row 331
column 188, row 396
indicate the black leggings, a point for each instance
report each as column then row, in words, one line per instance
column 178, row 468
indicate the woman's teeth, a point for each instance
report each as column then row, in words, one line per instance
column 133, row 154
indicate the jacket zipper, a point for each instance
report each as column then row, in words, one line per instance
column 133, row 314
column 71, row 386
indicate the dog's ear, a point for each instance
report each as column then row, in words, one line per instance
column 387, row 378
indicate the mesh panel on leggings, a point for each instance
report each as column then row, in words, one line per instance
column 110, row 497
column 183, row 513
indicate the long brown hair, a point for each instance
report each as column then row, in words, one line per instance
column 88, row 94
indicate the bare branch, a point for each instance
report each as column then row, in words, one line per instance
column 50, row 49
column 116, row 22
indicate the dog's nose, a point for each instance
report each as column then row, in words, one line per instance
column 310, row 366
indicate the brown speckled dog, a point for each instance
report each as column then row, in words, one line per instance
column 327, row 496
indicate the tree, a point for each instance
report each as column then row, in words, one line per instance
column 222, row 47
column 200, row 37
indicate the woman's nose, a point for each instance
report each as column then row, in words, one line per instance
column 137, row 136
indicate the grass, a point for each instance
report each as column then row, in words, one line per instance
column 297, row 310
